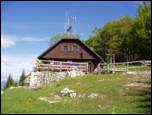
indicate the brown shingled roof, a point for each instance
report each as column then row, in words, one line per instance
column 71, row 39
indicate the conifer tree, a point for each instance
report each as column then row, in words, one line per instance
column 9, row 83
column 22, row 78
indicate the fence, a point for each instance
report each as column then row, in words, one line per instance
column 46, row 65
column 125, row 66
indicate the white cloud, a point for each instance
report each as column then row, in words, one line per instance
column 10, row 40
column 7, row 41
column 15, row 65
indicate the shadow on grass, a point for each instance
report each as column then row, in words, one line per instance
column 145, row 102
column 143, row 99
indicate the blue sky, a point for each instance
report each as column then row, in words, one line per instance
column 27, row 26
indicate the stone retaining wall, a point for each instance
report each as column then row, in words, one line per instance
column 38, row 79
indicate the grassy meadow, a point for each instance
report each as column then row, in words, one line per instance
column 113, row 96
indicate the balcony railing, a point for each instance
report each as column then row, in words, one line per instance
column 46, row 65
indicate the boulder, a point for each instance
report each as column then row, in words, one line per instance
column 74, row 73
column 93, row 95
column 67, row 91
column 73, row 95
column 12, row 87
column 81, row 95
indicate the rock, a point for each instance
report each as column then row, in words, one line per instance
column 57, row 97
column 49, row 101
column 99, row 106
column 78, row 83
column 102, row 96
column 98, row 70
column 74, row 73
column 42, row 98
column 100, row 80
column 93, row 95
column 136, row 85
column 35, row 79
column 38, row 79
column 19, row 86
column 71, row 91
column 67, row 91
column 73, row 95
column 53, row 101
column 81, row 96
column 127, row 88
column 12, row 87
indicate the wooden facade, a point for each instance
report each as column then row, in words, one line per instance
column 71, row 50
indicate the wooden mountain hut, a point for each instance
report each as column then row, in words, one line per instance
column 71, row 52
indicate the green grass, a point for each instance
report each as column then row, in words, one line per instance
column 134, row 68
column 114, row 97
column 139, row 68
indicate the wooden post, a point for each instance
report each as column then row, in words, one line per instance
column 111, row 62
column 60, row 66
column 127, row 67
column 113, row 56
column 87, row 67
column 108, row 67
column 113, row 68
column 144, row 62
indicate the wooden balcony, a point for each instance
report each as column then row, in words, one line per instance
column 46, row 65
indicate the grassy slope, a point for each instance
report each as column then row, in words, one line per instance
column 135, row 68
column 140, row 68
column 114, row 96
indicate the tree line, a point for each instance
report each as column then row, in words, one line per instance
column 10, row 82
column 127, row 38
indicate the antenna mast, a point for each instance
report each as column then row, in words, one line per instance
column 68, row 25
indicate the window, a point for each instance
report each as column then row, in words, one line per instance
column 75, row 48
column 65, row 48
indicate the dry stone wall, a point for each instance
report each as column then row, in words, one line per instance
column 38, row 79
